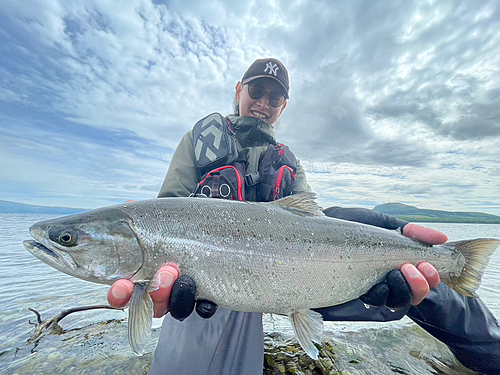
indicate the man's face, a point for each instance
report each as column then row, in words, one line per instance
column 260, row 108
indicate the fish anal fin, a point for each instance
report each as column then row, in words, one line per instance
column 303, row 204
column 308, row 327
column 140, row 317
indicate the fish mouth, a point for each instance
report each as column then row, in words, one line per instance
column 50, row 256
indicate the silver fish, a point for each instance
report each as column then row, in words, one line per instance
column 282, row 257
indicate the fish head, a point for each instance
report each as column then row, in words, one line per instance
column 98, row 245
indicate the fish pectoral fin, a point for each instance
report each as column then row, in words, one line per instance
column 140, row 317
column 303, row 204
column 308, row 327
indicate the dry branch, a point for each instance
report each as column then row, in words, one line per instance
column 52, row 324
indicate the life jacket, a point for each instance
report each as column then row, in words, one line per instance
column 223, row 175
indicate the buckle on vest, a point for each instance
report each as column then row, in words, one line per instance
column 252, row 179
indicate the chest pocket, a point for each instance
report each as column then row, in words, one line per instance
column 226, row 182
column 277, row 173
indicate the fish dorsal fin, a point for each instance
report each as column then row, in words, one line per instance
column 303, row 204
column 308, row 327
column 140, row 317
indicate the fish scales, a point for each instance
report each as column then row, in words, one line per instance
column 249, row 257
column 281, row 257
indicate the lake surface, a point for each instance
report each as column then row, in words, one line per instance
column 95, row 342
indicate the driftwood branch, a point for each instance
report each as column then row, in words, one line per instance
column 38, row 316
column 52, row 324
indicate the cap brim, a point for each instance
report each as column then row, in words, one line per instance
column 265, row 76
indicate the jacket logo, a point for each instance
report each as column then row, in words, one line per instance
column 210, row 141
column 273, row 69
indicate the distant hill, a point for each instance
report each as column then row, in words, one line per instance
column 415, row 214
column 402, row 211
column 7, row 207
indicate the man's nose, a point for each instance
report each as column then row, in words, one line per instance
column 264, row 100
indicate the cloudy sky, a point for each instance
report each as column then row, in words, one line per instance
column 390, row 101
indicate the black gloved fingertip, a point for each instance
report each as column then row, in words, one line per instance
column 182, row 298
column 399, row 290
column 377, row 295
column 206, row 309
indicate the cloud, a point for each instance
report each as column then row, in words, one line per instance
column 388, row 101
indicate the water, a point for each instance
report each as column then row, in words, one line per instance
column 95, row 342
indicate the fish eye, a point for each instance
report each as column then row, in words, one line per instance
column 67, row 238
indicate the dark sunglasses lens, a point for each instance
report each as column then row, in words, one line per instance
column 276, row 99
column 256, row 91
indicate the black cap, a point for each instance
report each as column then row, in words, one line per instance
column 268, row 68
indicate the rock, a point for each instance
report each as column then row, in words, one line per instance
column 287, row 357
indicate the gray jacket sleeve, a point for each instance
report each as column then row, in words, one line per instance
column 365, row 216
column 464, row 324
column 182, row 175
column 357, row 311
column 301, row 185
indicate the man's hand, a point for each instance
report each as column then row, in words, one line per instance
column 423, row 234
column 421, row 280
column 120, row 292
column 175, row 294
column 424, row 276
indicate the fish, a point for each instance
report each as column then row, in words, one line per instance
column 283, row 257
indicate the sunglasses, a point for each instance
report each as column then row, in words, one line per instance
column 257, row 91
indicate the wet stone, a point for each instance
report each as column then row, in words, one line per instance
column 289, row 358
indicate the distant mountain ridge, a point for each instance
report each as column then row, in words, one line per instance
column 411, row 213
column 7, row 207
column 402, row 211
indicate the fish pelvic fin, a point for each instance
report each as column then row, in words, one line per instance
column 308, row 327
column 477, row 254
column 303, row 204
column 140, row 317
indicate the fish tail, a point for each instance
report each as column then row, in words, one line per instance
column 477, row 254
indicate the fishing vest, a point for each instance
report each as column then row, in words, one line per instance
column 223, row 173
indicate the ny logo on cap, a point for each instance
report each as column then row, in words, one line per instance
column 273, row 69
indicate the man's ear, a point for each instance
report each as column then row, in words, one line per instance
column 239, row 87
